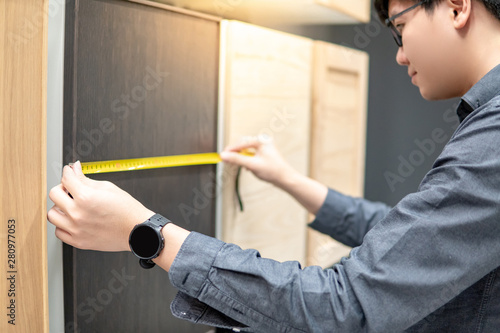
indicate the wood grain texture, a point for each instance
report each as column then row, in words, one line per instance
column 283, row 11
column 140, row 81
column 338, row 137
column 23, row 283
column 267, row 91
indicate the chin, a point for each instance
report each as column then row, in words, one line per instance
column 427, row 95
column 436, row 95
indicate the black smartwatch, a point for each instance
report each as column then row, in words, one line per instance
column 146, row 240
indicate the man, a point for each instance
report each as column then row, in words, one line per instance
column 430, row 264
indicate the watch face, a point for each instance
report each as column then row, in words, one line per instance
column 144, row 242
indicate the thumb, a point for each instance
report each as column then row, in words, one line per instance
column 72, row 177
column 77, row 168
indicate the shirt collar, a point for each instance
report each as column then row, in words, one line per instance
column 483, row 91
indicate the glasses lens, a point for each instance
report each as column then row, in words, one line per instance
column 396, row 35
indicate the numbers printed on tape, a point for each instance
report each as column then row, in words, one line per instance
column 149, row 163
column 155, row 162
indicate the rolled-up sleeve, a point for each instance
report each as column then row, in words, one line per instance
column 425, row 251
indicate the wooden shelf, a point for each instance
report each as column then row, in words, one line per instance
column 283, row 11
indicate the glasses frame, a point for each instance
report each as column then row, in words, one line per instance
column 395, row 32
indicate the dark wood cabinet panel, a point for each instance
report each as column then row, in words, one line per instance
column 139, row 81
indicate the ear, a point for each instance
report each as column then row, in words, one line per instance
column 460, row 12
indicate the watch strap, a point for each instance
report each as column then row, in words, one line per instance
column 147, row 263
column 159, row 220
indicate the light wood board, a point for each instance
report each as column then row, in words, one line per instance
column 340, row 84
column 284, row 11
column 358, row 9
column 266, row 91
column 23, row 281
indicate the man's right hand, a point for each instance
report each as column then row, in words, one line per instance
column 267, row 163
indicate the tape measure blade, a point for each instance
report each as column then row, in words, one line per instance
column 150, row 163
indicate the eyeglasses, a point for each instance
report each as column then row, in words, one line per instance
column 395, row 32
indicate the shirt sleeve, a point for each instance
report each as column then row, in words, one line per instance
column 348, row 219
column 428, row 249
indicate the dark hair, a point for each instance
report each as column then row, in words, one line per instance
column 382, row 7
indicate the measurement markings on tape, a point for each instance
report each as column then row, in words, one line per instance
column 152, row 162
column 149, row 163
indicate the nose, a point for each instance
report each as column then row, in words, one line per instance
column 401, row 58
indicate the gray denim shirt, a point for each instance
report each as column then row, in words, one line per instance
column 427, row 265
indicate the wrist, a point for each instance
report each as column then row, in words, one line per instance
column 143, row 215
column 288, row 180
column 137, row 217
column 174, row 236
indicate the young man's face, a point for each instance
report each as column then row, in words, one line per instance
column 430, row 49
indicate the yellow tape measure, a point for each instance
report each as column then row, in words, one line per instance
column 152, row 162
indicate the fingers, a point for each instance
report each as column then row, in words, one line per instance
column 61, row 198
column 59, row 219
column 64, row 236
column 251, row 142
column 243, row 146
column 77, row 168
column 72, row 177
column 237, row 158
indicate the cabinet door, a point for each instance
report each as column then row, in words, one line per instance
column 23, row 192
column 266, row 91
column 140, row 81
column 338, row 133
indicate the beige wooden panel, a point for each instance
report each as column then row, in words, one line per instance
column 283, row 11
column 338, row 133
column 23, row 282
column 266, row 91
column 358, row 9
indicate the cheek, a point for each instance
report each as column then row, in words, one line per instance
column 430, row 55
column 441, row 73
column 432, row 47
column 423, row 45
column 435, row 76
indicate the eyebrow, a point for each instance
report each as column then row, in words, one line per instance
column 393, row 15
column 390, row 13
column 393, row 12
